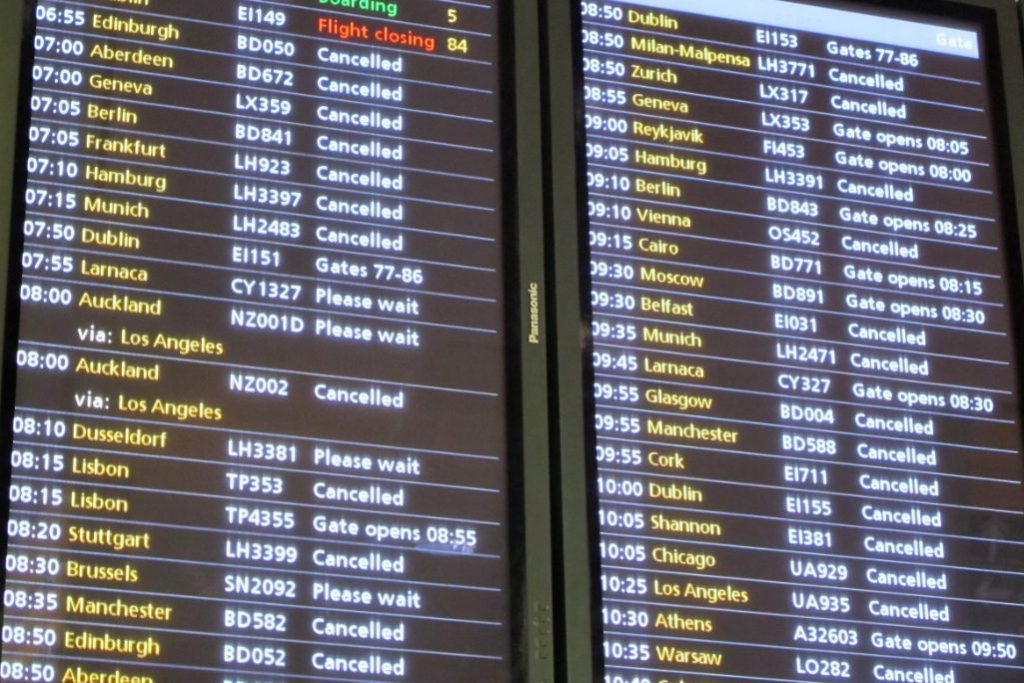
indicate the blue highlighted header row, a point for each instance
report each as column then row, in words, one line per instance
column 837, row 23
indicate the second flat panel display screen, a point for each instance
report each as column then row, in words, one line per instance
column 807, row 440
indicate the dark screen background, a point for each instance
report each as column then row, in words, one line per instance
column 279, row 420
column 746, row 428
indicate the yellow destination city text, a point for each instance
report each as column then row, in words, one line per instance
column 111, row 23
column 682, row 526
column 109, row 538
column 108, row 644
column 679, row 401
column 139, row 57
column 690, row 52
column 126, row 177
column 95, row 501
column 183, row 346
column 109, row 271
column 97, row 572
column 692, row 432
column 125, row 146
column 667, row 219
column 117, row 369
column 97, row 467
column 118, row 609
column 121, row 303
column 673, row 369
column 667, row 133
column 126, row 436
column 107, row 207
column 115, row 239
column 182, row 412
column 667, row 306
column 674, row 621
column 117, row 114
column 80, row 675
column 122, row 86
column 671, row 279
column 712, row 595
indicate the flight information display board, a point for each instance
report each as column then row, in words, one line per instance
column 805, row 379
column 260, row 430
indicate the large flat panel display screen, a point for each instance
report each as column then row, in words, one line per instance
column 805, row 378
column 260, row 423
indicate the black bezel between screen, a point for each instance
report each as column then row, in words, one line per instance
column 16, row 244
